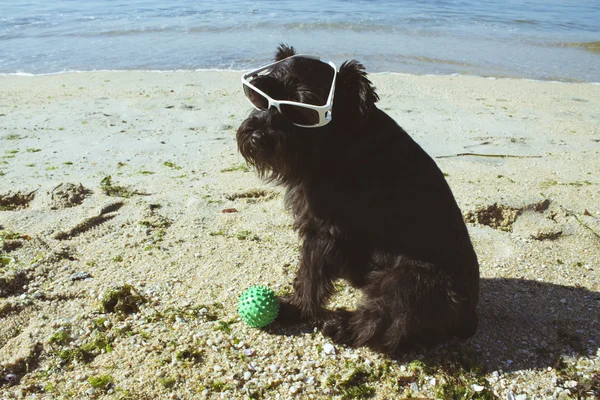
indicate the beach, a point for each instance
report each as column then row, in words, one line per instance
column 130, row 225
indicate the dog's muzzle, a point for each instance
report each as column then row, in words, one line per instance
column 256, row 144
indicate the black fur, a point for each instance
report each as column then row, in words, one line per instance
column 284, row 51
column 370, row 206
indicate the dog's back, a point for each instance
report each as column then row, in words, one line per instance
column 384, row 199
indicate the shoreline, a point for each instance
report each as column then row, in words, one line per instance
column 163, row 225
column 26, row 74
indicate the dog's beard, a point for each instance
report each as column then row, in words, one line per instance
column 258, row 147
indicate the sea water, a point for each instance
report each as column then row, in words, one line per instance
column 534, row 39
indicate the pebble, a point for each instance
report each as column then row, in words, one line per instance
column 328, row 348
column 570, row 384
column 477, row 388
column 273, row 368
column 78, row 276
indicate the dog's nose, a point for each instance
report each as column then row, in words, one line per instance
column 256, row 137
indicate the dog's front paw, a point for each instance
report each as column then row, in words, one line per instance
column 289, row 313
column 337, row 327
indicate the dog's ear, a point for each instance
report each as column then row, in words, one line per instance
column 354, row 93
column 284, row 51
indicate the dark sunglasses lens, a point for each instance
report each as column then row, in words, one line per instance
column 300, row 115
column 256, row 98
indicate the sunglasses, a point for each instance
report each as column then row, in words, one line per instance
column 300, row 114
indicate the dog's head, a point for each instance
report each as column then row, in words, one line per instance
column 281, row 150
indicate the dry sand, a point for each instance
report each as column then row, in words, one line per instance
column 168, row 139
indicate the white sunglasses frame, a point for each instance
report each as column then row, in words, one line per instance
column 324, row 111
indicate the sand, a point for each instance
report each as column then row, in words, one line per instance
column 129, row 184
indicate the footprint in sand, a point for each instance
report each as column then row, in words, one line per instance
column 12, row 201
column 67, row 195
column 106, row 213
column 534, row 221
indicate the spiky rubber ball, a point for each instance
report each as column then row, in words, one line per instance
column 258, row 306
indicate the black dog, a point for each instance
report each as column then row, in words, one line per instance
column 370, row 206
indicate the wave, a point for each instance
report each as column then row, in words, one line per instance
column 92, row 71
column 561, row 80
column 594, row 47
column 274, row 26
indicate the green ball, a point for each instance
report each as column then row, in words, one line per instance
column 258, row 306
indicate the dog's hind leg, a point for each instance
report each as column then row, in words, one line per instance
column 410, row 303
